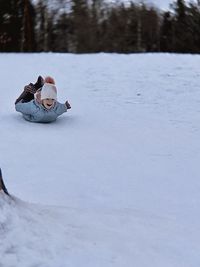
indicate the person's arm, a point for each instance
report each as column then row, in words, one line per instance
column 61, row 108
column 26, row 108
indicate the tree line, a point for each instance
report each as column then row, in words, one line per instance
column 90, row 26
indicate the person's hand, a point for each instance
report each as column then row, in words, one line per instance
column 67, row 104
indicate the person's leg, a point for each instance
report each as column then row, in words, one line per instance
column 27, row 95
column 29, row 90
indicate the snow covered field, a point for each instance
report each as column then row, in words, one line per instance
column 114, row 181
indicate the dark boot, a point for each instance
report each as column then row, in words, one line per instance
column 39, row 83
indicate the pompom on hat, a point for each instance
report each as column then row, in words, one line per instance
column 49, row 79
column 49, row 91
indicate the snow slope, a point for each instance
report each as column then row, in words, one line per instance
column 115, row 181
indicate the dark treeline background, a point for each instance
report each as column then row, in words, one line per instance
column 88, row 26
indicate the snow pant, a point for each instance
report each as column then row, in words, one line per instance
column 25, row 97
column 29, row 90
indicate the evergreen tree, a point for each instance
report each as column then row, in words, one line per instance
column 11, row 13
column 41, row 26
column 62, row 34
column 193, row 26
column 180, row 25
column 81, row 26
column 150, row 29
column 167, row 33
column 96, row 14
column 28, row 24
column 16, row 25
column 133, row 33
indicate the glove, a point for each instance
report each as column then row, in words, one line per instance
column 67, row 105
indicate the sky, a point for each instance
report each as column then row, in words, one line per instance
column 162, row 4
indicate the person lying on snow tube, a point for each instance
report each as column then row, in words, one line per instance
column 38, row 102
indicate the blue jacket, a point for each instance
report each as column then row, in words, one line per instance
column 35, row 112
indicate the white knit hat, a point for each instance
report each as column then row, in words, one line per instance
column 49, row 91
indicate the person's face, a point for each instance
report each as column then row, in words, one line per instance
column 48, row 103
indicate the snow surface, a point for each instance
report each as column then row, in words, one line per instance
column 114, row 181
